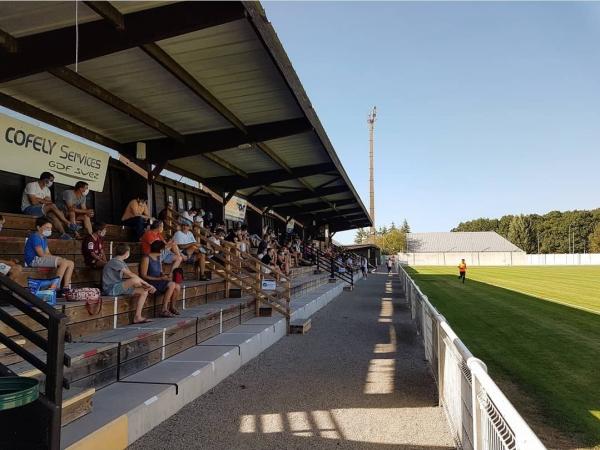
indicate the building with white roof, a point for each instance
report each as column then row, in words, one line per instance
column 486, row 248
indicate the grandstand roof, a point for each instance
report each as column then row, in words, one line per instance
column 468, row 241
column 207, row 86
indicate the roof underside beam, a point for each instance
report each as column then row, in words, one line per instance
column 34, row 55
column 332, row 214
column 270, row 176
column 314, row 207
column 213, row 141
column 273, row 200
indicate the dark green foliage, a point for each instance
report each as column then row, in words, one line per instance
column 552, row 229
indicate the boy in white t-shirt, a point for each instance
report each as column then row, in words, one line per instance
column 37, row 202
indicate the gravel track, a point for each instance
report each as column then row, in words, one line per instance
column 356, row 380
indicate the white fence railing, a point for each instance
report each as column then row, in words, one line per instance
column 479, row 414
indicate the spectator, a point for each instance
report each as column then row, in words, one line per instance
column 282, row 263
column 92, row 247
column 37, row 202
column 75, row 207
column 169, row 216
column 151, row 271
column 136, row 215
column 208, row 221
column 11, row 267
column 263, row 245
column 117, row 280
column 170, row 254
column 364, row 266
column 199, row 219
column 188, row 216
column 186, row 241
column 270, row 259
column 37, row 253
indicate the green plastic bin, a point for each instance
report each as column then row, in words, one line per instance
column 18, row 391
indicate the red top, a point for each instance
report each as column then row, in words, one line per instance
column 89, row 247
column 148, row 238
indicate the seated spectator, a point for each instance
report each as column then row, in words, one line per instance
column 75, row 207
column 188, row 216
column 208, row 221
column 92, row 247
column 270, row 259
column 186, row 241
column 151, row 271
column 37, row 253
column 263, row 245
column 170, row 254
column 282, row 263
column 9, row 267
column 117, row 280
column 169, row 216
column 215, row 240
column 199, row 219
column 37, row 202
column 136, row 215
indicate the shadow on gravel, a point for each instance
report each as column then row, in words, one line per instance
column 358, row 379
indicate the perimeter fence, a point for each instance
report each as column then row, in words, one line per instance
column 479, row 414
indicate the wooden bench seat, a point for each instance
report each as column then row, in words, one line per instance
column 20, row 225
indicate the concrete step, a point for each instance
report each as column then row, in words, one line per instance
column 126, row 410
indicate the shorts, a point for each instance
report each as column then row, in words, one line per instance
column 4, row 269
column 167, row 256
column 45, row 261
column 34, row 210
column 118, row 289
column 160, row 285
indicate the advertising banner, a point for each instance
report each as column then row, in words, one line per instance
column 29, row 150
column 235, row 209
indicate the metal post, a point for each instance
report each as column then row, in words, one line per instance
column 54, row 378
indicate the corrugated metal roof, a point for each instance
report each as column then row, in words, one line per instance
column 228, row 49
column 464, row 241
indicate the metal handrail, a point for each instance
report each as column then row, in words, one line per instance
column 53, row 345
column 238, row 269
column 330, row 264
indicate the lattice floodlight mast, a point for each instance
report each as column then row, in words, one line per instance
column 371, row 122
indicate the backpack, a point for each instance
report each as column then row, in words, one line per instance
column 178, row 275
column 91, row 296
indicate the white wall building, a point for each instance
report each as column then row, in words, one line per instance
column 478, row 248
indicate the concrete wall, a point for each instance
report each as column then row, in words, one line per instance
column 498, row 259
column 563, row 259
column 471, row 258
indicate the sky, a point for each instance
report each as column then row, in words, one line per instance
column 484, row 109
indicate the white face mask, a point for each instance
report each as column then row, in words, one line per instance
column 47, row 233
column 86, row 192
column 49, row 183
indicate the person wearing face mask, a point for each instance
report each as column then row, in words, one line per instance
column 37, row 202
column 117, row 280
column 92, row 247
column 37, row 253
column 75, row 207
column 10, row 268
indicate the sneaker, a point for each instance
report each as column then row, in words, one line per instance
column 66, row 237
column 74, row 227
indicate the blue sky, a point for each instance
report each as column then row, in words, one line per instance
column 484, row 108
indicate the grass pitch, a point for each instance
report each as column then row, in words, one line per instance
column 537, row 328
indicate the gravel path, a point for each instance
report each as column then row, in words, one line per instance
column 356, row 380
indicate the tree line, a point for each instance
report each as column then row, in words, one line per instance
column 390, row 240
column 554, row 232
